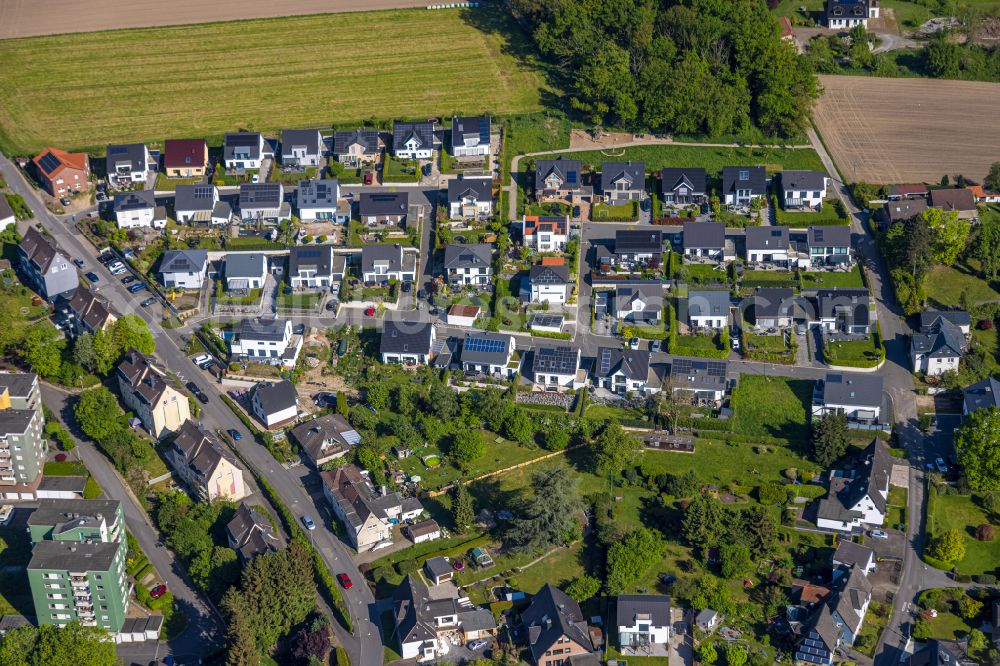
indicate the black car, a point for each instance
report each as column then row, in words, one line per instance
column 407, row 286
column 576, row 211
column 149, row 301
column 194, row 388
column 106, row 258
column 421, row 294
column 128, row 279
column 79, row 262
column 202, row 397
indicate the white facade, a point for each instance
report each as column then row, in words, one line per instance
column 805, row 198
column 414, row 150
column 271, row 418
column 933, row 365
column 708, row 321
column 852, row 412
column 770, row 255
column 137, row 217
column 269, row 349
column 548, row 293
column 469, row 207
column 621, row 384
column 186, row 280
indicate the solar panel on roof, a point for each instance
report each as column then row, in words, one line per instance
column 117, row 150
column 571, row 177
column 203, row 191
column 605, row 361
column 485, row 345
column 49, row 162
column 818, row 234
column 309, row 252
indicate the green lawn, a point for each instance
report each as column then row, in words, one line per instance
column 291, row 178
column 751, row 279
column 853, row 353
column 946, row 284
column 399, row 171
column 65, row 468
column 707, row 346
column 605, row 412
column 457, row 61
column 829, row 279
column 702, row 274
column 548, row 208
column 164, row 184
column 770, row 343
column 896, row 514
column 252, row 299
column 725, row 462
column 772, row 406
column 830, row 215
column 964, row 513
column 948, row 626
column 302, row 301
column 624, row 212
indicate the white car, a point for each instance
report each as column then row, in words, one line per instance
column 735, row 342
column 117, row 268
column 879, row 534
column 478, row 644
column 6, row 512
column 201, row 359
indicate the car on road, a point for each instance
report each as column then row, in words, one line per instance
column 194, row 388
column 370, row 312
column 308, row 522
column 79, row 262
column 941, row 466
column 345, row 581
column 158, row 591
column 137, row 287
column 235, row 434
column 879, row 534
column 407, row 286
column 654, row 346
column 478, row 644
column 149, row 301
column 128, row 279
column 202, row 397
column 331, row 305
column 92, row 276
column 633, row 343
column 369, row 177
column 117, row 268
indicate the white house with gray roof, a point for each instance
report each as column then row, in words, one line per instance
column 184, row 269
column 367, row 515
column 803, row 190
column 701, row 378
column 245, row 270
column 937, row 347
column 706, row 309
column 858, row 498
column 138, row 209
column 413, row 141
column 622, row 182
column 319, row 201
column 644, row 625
column 355, row 147
column 829, row 245
column 555, row 368
column 383, row 208
column 468, row 264
column 470, row 136
column 768, row 245
column 485, row 353
column 858, row 396
column 302, row 148
column 263, row 203
column 407, row 342
column 639, row 303
column 547, row 284
column 128, row 163
column 381, row 263
column 624, row 371
column 266, row 341
column 470, row 198
column 705, row 240
column 195, row 203
column 314, row 266
column 275, row 404
column 245, row 150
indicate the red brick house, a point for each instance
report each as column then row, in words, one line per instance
column 61, row 173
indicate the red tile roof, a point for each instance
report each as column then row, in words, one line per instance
column 64, row 160
column 463, row 311
column 180, row 153
column 553, row 261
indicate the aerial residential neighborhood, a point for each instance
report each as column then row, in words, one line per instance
column 522, row 332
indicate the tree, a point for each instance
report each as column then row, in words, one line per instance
column 583, row 588
column 977, row 641
column 992, row 180
column 978, row 455
column 707, row 653
column 949, row 547
column 312, row 642
column 991, row 501
column 98, row 413
column 131, row 332
column 702, row 522
column 986, row 247
column 735, row 655
column 829, row 438
column 968, row 607
column 985, row 532
column 614, row 449
column 106, row 351
column 377, row 396
column 467, row 447
column 42, row 348
column 735, row 559
column 629, row 558
column 549, row 517
column 48, row 645
column 943, row 62
column 949, row 234
column 241, row 649
column 519, row 427
column 84, row 352
column 770, row 494
column 463, row 514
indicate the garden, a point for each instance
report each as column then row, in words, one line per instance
column 964, row 514
column 627, row 212
column 831, row 214
column 395, row 170
column 832, row 279
column 867, row 353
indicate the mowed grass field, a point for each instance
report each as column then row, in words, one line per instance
column 83, row 91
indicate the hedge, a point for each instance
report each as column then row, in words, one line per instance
column 341, row 657
column 550, row 334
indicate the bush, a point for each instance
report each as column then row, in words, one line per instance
column 985, row 579
column 985, row 532
column 771, row 493
column 985, row 325
column 407, row 567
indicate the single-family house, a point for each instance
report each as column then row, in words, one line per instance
column 325, row 438
column 742, row 184
column 356, row 147
column 462, row 315
column 266, row 341
column 250, row 534
column 705, row 239
column 185, row 158
column 982, row 196
column 773, row 307
column 845, row 14
column 139, row 209
column 128, row 163
column 425, row 624
column 313, row 266
column 639, row 303
column 406, row 342
column 367, row 515
column 803, row 189
column 145, row 391
column 683, row 186
column 849, row 604
column 707, row 619
column 87, row 314
column 844, row 310
column 196, row 203
column 383, row 208
column 622, row 182
column 470, row 198
column 7, row 218
column 544, row 233
column 470, row 136
column 558, row 179
column 767, row 245
column 263, row 203
column 205, row 466
column 982, row 394
column 486, row 353
column 703, row 379
column 624, row 371
column 61, row 173
column 900, row 210
column 938, row 346
column 639, row 247
column 184, row 269
column 468, row 264
column 829, row 245
column 556, row 628
column 707, row 309
column 548, row 282
column 319, row 201
column 245, row 271
column 960, row 318
column 644, row 624
column 381, row 263
column 908, row 191
column 301, row 148
column 413, row 141
column 556, row 368
column 275, row 405
column 49, row 271
column 858, row 396
column 960, row 200
column 943, row 653
column 425, row 530
column 850, row 555
column 438, row 570
column 820, row 638
column 245, row 150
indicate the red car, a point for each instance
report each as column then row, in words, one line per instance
column 345, row 581
column 158, row 591
column 370, row 312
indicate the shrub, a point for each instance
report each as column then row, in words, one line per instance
column 771, row 493
column 985, row 325
column 407, row 567
column 985, row 532
column 985, row 579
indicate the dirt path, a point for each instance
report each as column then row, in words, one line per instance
column 31, row 18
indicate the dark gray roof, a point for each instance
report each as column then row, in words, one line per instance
column 562, row 360
column 693, row 177
column 245, row 265
column 985, row 393
column 942, row 339
column 138, row 200
column 132, row 153
column 72, row 484
column 276, row 397
column 471, row 255
column 753, row 178
column 632, row 173
column 773, row 302
column 855, row 302
column 324, row 435
column 633, row 363
column 245, row 144
column 402, row 132
column 73, row 555
column 323, row 192
column 628, row 241
column 437, row 567
column 381, row 252
column 849, row 601
column 194, row 197
column 5, row 210
column 767, row 238
column 541, row 274
column 825, row 628
column 552, row 615
column 267, row 330
column 704, row 235
column 39, row 250
column 367, row 138
column 250, row 533
column 853, row 554
column 651, row 293
column 485, row 347
column 938, row 653
column 960, row 199
column 477, row 619
column 698, row 374
column 412, row 611
column 855, row 389
column 829, row 236
column 183, row 261
column 568, row 171
column 472, row 126
column 481, row 189
column 383, row 203
column 260, row 195
column 846, row 9
column 902, row 209
column 318, row 258
column 793, row 179
column 934, row 317
column 656, row 608
column 309, row 139
column 708, row 303
column 19, row 384
column 67, row 514
column 406, row 337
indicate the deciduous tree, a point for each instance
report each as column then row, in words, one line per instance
column 978, row 454
column 631, row 557
column 583, row 588
column 949, row 547
column 98, row 413
column 614, row 449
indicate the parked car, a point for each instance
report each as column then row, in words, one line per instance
column 369, row 177
column 128, row 279
column 137, row 287
column 92, row 276
column 65, row 201
column 370, row 312
column 576, row 211
column 331, row 305
column 407, row 286
column 149, row 301
column 478, row 644
column 879, row 534
column 654, row 346
column 345, row 581
column 158, row 591
column 235, row 434
column 308, row 522
column 201, row 359
column 735, row 342
column 256, row 178
column 633, row 343
column 79, row 262
column 941, row 466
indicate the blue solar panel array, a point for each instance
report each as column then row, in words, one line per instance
column 485, row 345
column 49, row 162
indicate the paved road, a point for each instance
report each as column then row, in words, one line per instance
column 365, row 647
column 205, row 629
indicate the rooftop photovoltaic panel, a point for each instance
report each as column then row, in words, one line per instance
column 571, row 177
column 558, row 358
column 605, row 361
column 485, row 345
column 818, row 235
column 117, row 150
column 49, row 162
column 308, row 252
column 203, row 192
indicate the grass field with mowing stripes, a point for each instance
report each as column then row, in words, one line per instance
column 268, row 74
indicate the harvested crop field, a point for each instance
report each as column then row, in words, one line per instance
column 150, row 84
column 900, row 130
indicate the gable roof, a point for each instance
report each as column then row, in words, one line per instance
column 984, row 393
column 650, row 293
column 251, row 533
column 903, row 209
column 411, row 603
column 794, row 179
column 546, row 224
column 567, row 171
column 308, row 139
column 181, row 153
column 143, row 375
column 704, row 235
column 276, row 397
column 544, row 274
column 832, row 301
column 632, row 363
column 39, row 250
column 402, row 132
column 330, row 431
column 773, row 302
column 266, row 330
column 261, row 195
column 854, row 389
column 195, row 197
column 482, row 347
column 244, row 143
column 755, row 179
column 92, row 312
column 480, row 189
column 877, row 467
column 321, row 192
column 693, row 177
column 552, row 615
column 315, row 258
column 708, row 303
column 846, row 9
column 183, row 261
column 934, row 317
column 825, row 627
column 829, row 236
column 629, row 241
column 133, row 154
column 850, row 600
column 633, row 173
column 474, row 127
column 468, row 255
column 437, row 567
column 245, row 265
column 381, row 252
column 698, row 374
column 356, row 497
column 137, row 200
column 563, row 360
column 52, row 161
column 908, row 189
column 406, row 337
column 767, row 238
column 199, row 451
column 853, row 554
column 943, row 339
column 366, row 138
column 655, row 607
column 383, row 203
column 956, row 199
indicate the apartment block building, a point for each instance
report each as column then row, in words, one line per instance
column 22, row 443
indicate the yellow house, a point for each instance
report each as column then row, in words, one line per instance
column 205, row 466
column 159, row 406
